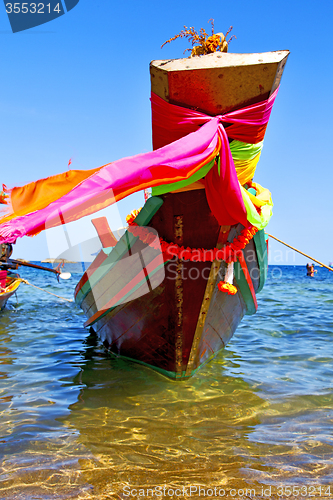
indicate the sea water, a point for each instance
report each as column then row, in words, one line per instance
column 256, row 422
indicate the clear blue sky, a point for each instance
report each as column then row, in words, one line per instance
column 78, row 87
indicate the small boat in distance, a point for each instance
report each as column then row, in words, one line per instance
column 9, row 283
column 156, row 296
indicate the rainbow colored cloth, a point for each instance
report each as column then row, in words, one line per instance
column 188, row 145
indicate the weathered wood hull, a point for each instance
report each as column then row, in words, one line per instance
column 173, row 317
column 185, row 320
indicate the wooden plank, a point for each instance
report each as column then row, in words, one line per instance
column 211, row 283
column 104, row 232
column 178, row 228
column 261, row 248
column 220, row 82
column 141, row 331
column 94, row 274
column 128, row 290
column 101, row 257
column 120, row 250
column 224, row 315
column 251, row 259
column 245, row 284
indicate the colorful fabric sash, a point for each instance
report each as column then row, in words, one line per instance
column 37, row 195
column 171, row 122
column 245, row 156
column 205, row 140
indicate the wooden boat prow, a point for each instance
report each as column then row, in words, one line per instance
column 219, row 82
column 183, row 321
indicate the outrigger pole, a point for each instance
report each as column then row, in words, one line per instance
column 27, row 264
column 308, row 256
column 35, row 266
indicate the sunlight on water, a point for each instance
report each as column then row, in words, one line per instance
column 77, row 423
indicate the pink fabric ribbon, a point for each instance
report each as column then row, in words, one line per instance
column 171, row 122
column 204, row 138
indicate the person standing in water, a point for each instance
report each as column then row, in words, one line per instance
column 310, row 270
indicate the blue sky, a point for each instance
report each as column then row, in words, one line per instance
column 78, row 87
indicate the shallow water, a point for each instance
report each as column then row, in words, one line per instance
column 77, row 423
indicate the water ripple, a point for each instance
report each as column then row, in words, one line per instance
column 77, row 423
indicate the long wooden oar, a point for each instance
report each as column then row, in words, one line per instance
column 35, row 266
column 59, row 274
column 308, row 256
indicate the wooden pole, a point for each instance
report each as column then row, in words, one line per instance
column 35, row 266
column 308, row 256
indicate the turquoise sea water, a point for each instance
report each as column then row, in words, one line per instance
column 257, row 422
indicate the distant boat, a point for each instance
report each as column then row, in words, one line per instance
column 169, row 322
column 9, row 283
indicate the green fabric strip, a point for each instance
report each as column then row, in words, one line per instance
column 241, row 151
column 166, row 188
column 244, row 151
column 260, row 221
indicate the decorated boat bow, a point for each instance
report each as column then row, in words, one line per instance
column 203, row 151
column 171, row 292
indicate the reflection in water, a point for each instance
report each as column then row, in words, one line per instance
column 150, row 431
column 76, row 423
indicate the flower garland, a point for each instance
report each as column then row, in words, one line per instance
column 224, row 286
column 228, row 253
